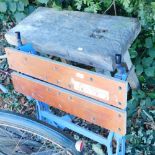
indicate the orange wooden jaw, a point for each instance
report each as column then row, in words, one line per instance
column 83, row 107
column 106, row 89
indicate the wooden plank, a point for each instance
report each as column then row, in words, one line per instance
column 103, row 88
column 91, row 39
column 132, row 77
column 88, row 109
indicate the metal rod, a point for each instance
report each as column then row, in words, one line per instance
column 76, row 128
column 3, row 88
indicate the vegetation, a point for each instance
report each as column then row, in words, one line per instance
column 141, row 106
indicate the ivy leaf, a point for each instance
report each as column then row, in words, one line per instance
column 141, row 94
column 3, row 7
column 19, row 16
column 56, row 6
column 43, row 1
column 151, row 82
column 131, row 108
column 92, row 8
column 97, row 148
column 152, row 52
column 148, row 42
column 78, row 4
column 31, row 8
column 20, row 6
column 142, row 79
column 150, row 71
column 139, row 69
column 128, row 137
column 153, row 5
column 26, row 2
column 147, row 61
column 148, row 102
column 12, row 6
column 133, row 53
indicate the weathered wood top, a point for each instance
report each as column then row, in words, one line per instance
column 87, row 38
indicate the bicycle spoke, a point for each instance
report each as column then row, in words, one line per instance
column 17, row 140
column 17, row 146
column 49, row 152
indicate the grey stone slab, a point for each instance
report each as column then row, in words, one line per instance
column 87, row 38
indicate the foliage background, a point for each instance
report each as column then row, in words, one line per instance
column 141, row 106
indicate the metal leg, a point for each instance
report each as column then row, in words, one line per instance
column 120, row 148
column 40, row 106
column 109, row 144
column 123, row 145
column 89, row 134
column 43, row 107
column 44, row 114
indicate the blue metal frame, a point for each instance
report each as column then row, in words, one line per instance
column 42, row 107
column 44, row 113
column 58, row 121
column 121, row 70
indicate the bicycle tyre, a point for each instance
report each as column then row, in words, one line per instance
column 11, row 119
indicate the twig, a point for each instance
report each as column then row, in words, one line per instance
column 4, row 90
column 115, row 10
column 113, row 3
column 6, row 72
column 149, row 116
column 152, row 125
column 3, row 56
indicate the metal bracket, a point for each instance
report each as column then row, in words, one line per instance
column 43, row 107
column 45, row 114
column 121, row 71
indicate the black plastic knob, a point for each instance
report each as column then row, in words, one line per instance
column 18, row 36
column 118, row 59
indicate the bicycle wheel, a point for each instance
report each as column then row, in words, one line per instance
column 24, row 136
